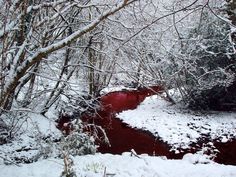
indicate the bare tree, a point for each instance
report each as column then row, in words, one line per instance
column 33, row 30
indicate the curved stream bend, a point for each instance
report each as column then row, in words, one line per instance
column 123, row 138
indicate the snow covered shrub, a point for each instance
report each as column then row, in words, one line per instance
column 75, row 105
column 75, row 140
column 78, row 142
column 209, row 65
column 11, row 124
column 27, row 137
column 216, row 98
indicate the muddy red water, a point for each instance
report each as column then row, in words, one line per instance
column 227, row 153
column 123, row 138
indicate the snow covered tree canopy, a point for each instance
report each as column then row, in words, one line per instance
column 32, row 30
column 63, row 42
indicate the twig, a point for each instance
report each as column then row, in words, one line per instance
column 134, row 153
column 105, row 174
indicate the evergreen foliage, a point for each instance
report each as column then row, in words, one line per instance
column 78, row 143
column 211, row 77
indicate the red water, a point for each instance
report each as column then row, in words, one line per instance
column 123, row 138
column 227, row 153
column 127, row 99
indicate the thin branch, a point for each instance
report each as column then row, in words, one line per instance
column 156, row 20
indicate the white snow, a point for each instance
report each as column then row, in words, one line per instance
column 31, row 138
column 110, row 89
column 176, row 126
column 161, row 117
column 123, row 166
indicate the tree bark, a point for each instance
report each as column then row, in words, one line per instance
column 27, row 62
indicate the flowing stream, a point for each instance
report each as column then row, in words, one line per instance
column 123, row 138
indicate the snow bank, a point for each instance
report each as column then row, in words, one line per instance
column 33, row 139
column 178, row 127
column 121, row 166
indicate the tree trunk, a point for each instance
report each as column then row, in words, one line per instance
column 91, row 70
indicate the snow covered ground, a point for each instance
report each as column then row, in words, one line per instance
column 123, row 166
column 179, row 127
column 172, row 124
column 33, row 139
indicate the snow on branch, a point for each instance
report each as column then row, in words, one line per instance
column 43, row 52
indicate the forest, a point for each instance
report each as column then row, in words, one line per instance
column 74, row 73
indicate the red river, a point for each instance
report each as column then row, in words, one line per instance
column 122, row 138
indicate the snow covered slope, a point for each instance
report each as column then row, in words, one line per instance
column 123, row 166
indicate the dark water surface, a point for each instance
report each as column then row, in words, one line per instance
column 123, row 138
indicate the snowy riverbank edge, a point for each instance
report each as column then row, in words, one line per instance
column 179, row 127
column 124, row 166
